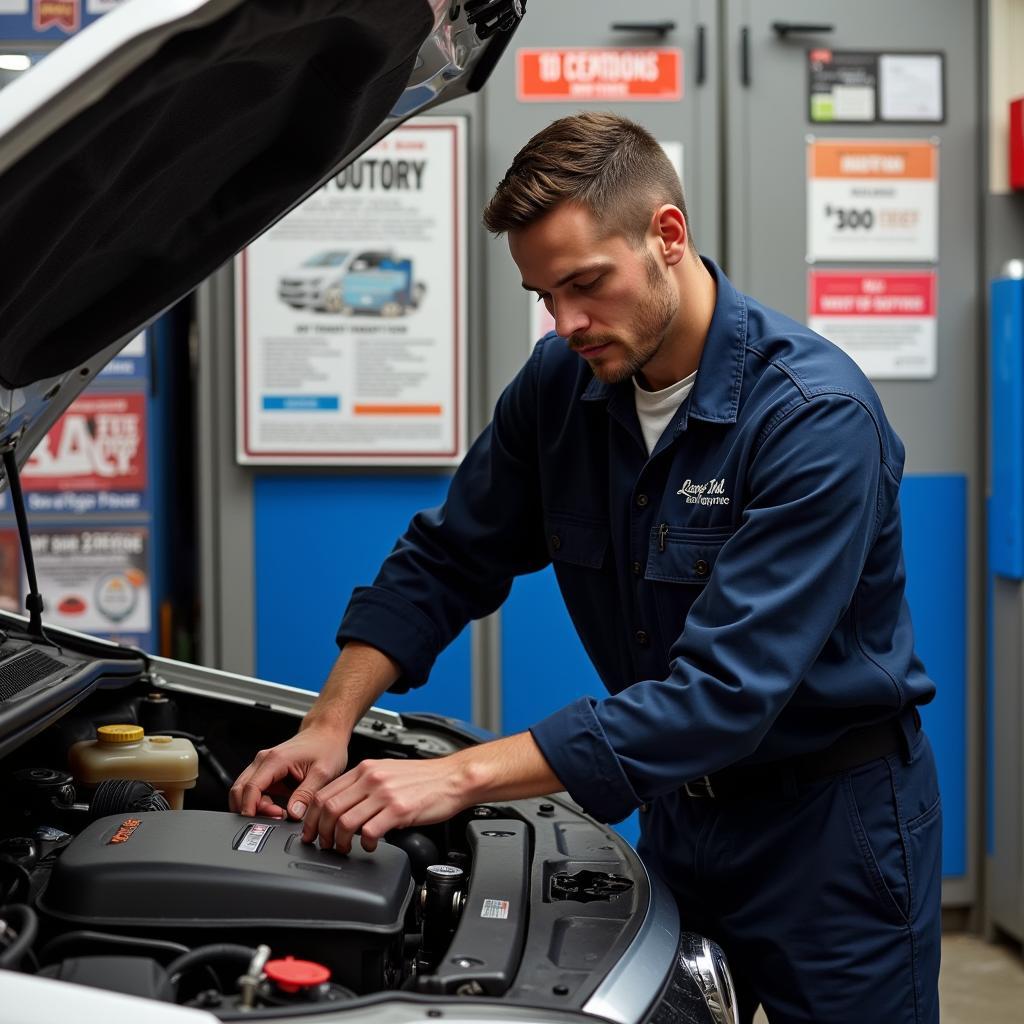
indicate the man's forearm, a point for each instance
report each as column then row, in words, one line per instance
column 511, row 768
column 359, row 677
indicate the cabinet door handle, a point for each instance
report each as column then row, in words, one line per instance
column 661, row 28
column 745, row 56
column 702, row 67
column 793, row 28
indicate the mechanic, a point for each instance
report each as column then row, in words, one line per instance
column 717, row 488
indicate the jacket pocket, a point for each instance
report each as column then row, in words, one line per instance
column 576, row 541
column 684, row 555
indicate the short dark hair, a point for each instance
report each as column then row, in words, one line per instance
column 606, row 163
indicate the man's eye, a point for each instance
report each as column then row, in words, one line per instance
column 586, row 286
column 542, row 297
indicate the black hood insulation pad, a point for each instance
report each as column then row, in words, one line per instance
column 134, row 202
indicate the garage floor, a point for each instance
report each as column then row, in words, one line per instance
column 979, row 982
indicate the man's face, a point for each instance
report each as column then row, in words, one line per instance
column 612, row 302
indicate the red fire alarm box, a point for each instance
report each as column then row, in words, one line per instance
column 1017, row 143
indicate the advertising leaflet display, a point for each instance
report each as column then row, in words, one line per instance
column 93, row 459
column 872, row 200
column 95, row 579
column 884, row 320
column 351, row 313
column 87, row 491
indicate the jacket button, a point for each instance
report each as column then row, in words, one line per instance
column 701, row 568
column 641, row 500
column 556, row 542
column 637, row 568
column 642, row 638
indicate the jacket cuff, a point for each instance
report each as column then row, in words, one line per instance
column 574, row 745
column 397, row 628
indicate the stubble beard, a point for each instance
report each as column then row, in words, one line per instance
column 650, row 328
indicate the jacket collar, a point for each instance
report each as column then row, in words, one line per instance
column 716, row 391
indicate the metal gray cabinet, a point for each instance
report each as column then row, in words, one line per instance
column 940, row 420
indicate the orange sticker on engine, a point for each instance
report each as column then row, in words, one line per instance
column 126, row 831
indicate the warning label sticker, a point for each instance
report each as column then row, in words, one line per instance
column 495, row 908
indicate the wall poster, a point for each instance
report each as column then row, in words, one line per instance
column 93, row 459
column 350, row 313
column 885, row 320
column 95, row 579
column 873, row 200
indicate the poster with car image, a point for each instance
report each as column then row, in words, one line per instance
column 351, row 312
column 95, row 579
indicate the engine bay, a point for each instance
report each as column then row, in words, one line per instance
column 104, row 884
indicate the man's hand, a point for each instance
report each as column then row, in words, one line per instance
column 319, row 753
column 377, row 796
column 312, row 758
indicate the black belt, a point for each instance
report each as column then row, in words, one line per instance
column 780, row 778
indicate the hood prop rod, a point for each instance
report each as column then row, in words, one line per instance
column 34, row 601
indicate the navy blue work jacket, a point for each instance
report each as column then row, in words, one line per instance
column 740, row 591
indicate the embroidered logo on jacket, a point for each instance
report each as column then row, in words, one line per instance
column 711, row 493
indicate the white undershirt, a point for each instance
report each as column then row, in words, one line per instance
column 655, row 409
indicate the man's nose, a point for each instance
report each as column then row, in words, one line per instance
column 569, row 319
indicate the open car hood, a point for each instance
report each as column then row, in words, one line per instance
column 150, row 148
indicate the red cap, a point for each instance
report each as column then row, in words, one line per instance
column 291, row 975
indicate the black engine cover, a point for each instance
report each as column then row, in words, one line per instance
column 207, row 876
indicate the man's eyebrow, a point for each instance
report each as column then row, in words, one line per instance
column 568, row 277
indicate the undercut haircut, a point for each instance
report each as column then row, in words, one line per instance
column 607, row 164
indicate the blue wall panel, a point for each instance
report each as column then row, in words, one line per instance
column 544, row 666
column 935, row 545
column 316, row 538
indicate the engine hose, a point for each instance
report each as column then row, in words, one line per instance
column 197, row 957
column 119, row 796
column 26, row 924
column 56, row 948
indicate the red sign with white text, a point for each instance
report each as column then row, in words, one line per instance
column 99, row 444
column 878, row 294
column 884, row 320
column 612, row 73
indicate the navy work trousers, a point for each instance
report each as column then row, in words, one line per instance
column 826, row 902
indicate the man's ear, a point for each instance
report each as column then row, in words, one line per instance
column 669, row 229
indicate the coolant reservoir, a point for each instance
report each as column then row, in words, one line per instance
column 168, row 763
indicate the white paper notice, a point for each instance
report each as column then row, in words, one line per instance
column 884, row 320
column 872, row 200
column 350, row 313
column 910, row 87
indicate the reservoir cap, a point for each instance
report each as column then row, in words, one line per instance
column 120, row 733
column 291, row 975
